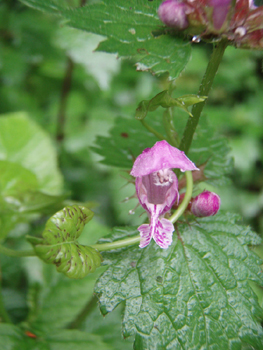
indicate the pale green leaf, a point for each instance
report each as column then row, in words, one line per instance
column 23, row 142
column 194, row 295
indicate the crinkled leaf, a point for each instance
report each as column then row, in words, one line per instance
column 14, row 338
column 194, row 295
column 59, row 245
column 128, row 138
column 165, row 100
column 132, row 28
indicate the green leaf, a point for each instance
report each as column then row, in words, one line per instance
column 208, row 148
column 211, row 150
column 132, row 28
column 164, row 100
column 108, row 328
column 13, row 338
column 194, row 295
column 59, row 245
column 24, row 143
column 61, row 299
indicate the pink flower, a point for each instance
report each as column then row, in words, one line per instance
column 173, row 14
column 157, row 189
column 240, row 21
column 205, row 204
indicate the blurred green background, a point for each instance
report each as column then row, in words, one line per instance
column 52, row 74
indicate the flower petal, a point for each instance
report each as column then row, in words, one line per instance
column 160, row 156
column 163, row 234
column 146, row 236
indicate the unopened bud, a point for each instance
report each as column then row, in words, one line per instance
column 173, row 14
column 205, row 204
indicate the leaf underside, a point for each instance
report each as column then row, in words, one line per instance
column 194, row 295
column 132, row 29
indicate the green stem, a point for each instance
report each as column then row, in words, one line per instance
column 207, row 81
column 152, row 130
column 16, row 253
column 169, row 127
column 187, row 197
column 117, row 244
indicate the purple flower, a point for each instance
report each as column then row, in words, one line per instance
column 220, row 11
column 157, row 189
column 205, row 204
column 173, row 14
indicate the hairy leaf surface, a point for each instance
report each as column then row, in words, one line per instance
column 194, row 295
column 132, row 28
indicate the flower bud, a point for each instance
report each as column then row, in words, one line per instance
column 205, row 204
column 173, row 14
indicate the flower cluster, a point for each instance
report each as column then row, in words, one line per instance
column 240, row 21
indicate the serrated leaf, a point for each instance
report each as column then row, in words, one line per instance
column 133, row 29
column 194, row 295
column 128, row 138
column 13, row 338
column 165, row 100
column 60, row 246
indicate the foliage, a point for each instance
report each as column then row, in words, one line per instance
column 70, row 112
column 60, row 247
column 172, row 296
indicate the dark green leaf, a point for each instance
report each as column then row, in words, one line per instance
column 165, row 100
column 132, row 28
column 60, row 246
column 194, row 295
column 208, row 149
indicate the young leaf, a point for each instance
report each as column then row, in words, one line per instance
column 59, row 245
column 132, row 28
column 194, row 295
column 164, row 100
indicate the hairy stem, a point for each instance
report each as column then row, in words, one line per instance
column 207, row 81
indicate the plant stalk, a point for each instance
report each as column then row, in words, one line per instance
column 207, row 81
